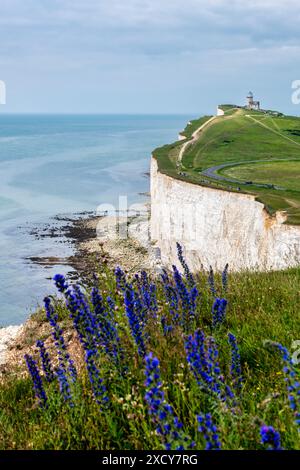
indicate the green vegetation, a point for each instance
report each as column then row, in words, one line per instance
column 274, row 172
column 167, row 156
column 192, row 126
column 261, row 306
column 240, row 137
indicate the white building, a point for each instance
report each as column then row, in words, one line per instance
column 251, row 104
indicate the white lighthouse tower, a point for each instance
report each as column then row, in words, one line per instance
column 251, row 104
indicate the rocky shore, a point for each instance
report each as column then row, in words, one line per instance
column 110, row 240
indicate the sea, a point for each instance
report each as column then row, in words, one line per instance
column 55, row 166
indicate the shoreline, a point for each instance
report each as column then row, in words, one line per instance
column 94, row 240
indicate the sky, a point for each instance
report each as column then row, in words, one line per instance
column 147, row 56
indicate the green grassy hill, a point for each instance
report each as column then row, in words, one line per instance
column 246, row 151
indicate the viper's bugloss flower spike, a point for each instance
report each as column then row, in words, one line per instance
column 211, row 282
column 187, row 298
column 94, row 328
column 46, row 362
column 120, row 278
column 64, row 384
column 60, row 282
column 189, row 277
column 165, row 277
column 136, row 318
column 172, row 319
column 292, row 379
column 37, row 380
column 168, row 426
column 85, row 319
column 235, row 367
column 181, row 288
column 66, row 370
column 218, row 312
column 270, row 438
column 107, row 331
column 94, row 322
column 98, row 387
column 209, row 431
column 203, row 358
column 225, row 278
column 147, row 293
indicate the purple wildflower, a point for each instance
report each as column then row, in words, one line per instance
column 218, row 312
column 209, row 431
column 173, row 318
column 188, row 300
column 225, row 278
column 235, row 368
column 107, row 331
column 292, row 380
column 270, row 438
column 189, row 277
column 60, row 282
column 98, row 387
column 211, row 282
column 136, row 318
column 120, row 278
column 203, row 358
column 168, row 425
column 66, row 367
column 46, row 362
column 88, row 325
column 37, row 380
column 147, row 293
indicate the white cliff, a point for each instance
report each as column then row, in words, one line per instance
column 218, row 227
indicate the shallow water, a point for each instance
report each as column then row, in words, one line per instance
column 64, row 164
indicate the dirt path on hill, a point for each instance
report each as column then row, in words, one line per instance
column 207, row 124
column 194, row 137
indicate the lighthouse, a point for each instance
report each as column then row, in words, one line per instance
column 251, row 104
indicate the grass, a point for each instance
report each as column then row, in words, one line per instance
column 167, row 156
column 192, row 126
column 261, row 306
column 274, row 172
column 243, row 137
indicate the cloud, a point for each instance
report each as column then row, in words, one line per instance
column 191, row 23
column 148, row 44
column 79, row 28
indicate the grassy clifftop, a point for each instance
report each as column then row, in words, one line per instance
column 245, row 151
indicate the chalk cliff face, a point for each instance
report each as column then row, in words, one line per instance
column 217, row 227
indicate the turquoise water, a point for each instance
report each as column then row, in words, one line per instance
column 52, row 165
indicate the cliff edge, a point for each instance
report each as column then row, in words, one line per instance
column 218, row 226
